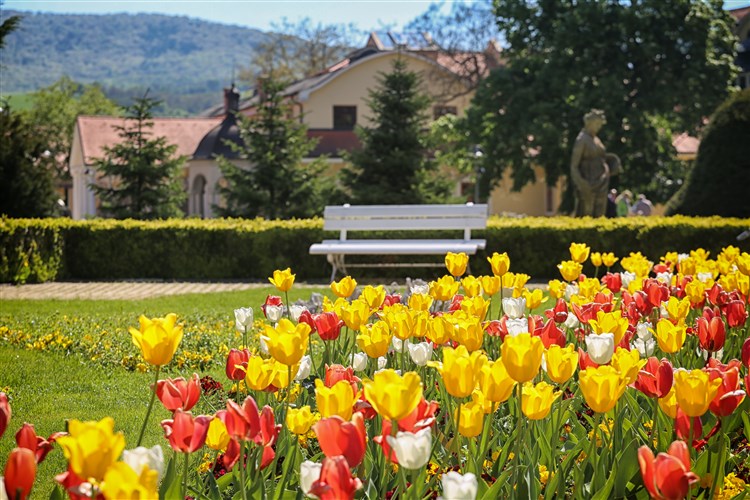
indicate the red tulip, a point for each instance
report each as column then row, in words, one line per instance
column 656, row 292
column 4, row 413
column 71, row 483
column 655, row 378
column 584, row 361
column 237, row 364
column 337, row 373
column 307, row 318
column 613, row 281
column 179, row 393
column 328, row 325
column 496, row 328
column 668, row 476
column 185, row 433
column 422, row 416
column 735, row 313
column 730, row 395
column 390, row 300
column 550, row 334
column 26, row 438
column 382, row 440
column 267, row 435
column 717, row 296
column 559, row 313
column 456, row 303
column 711, row 333
column 20, row 472
column 339, row 437
column 243, row 422
column 271, row 300
column 745, row 357
column 336, row 481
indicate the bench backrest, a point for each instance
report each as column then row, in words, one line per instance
column 405, row 217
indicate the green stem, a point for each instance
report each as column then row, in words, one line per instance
column 288, row 309
column 594, row 454
column 458, row 434
column 150, row 405
column 185, row 475
column 500, row 312
column 242, row 470
column 655, row 424
column 402, row 478
column 517, row 457
column 719, row 472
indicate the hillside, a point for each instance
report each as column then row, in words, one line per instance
column 182, row 59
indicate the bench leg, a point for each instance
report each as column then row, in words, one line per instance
column 337, row 262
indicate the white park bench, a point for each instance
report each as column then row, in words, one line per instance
column 399, row 218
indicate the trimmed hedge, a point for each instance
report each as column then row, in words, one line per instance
column 37, row 250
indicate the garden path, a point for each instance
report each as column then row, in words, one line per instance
column 131, row 290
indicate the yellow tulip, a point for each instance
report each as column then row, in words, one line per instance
column 475, row 306
column 356, row 314
column 471, row 419
column 490, row 284
column 678, row 309
column 421, row 321
column 534, row 298
column 570, row 270
column 259, row 373
column 439, row 330
column 444, row 288
column 508, row 280
column 670, row 337
column 487, row 405
column 374, row 339
column 299, row 420
column 401, row 323
column 338, row 307
column 537, row 400
column 217, row 437
column 287, row 343
column 495, row 382
column 344, row 288
column 668, row 403
column 500, row 263
column 469, row 333
column 282, row 280
column 157, row 338
column 579, row 252
column 121, row 481
column 420, row 302
column 373, row 296
column 460, row 370
column 609, row 259
column 522, row 356
column 556, row 288
column 596, row 259
column 743, row 263
column 392, row 396
column 280, row 374
column 694, row 391
column 92, row 447
column 472, row 286
column 612, row 322
column 519, row 281
column 336, row 400
column 588, row 288
column 602, row 387
column 456, row 263
column 636, row 263
column 687, row 266
column 561, row 362
column 695, row 292
column 628, row 363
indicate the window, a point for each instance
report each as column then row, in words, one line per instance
column 344, row 117
column 439, row 111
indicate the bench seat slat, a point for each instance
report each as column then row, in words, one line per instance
column 396, row 247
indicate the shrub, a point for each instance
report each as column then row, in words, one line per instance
column 30, row 250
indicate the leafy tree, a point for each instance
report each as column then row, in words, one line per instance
column 392, row 166
column 718, row 183
column 276, row 184
column 145, row 175
column 655, row 66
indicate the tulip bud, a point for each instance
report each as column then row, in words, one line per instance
column 243, row 318
column 359, row 361
column 274, row 313
column 517, row 326
column 420, row 353
column 5, row 412
column 308, row 474
column 20, row 472
column 412, row 449
column 305, row 367
column 295, row 310
column 237, row 364
column 138, row 458
column 745, row 358
column 600, row 347
column 514, row 307
column 456, row 485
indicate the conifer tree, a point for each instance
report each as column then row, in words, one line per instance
column 144, row 171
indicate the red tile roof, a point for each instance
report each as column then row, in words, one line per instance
column 740, row 13
column 96, row 132
column 685, row 144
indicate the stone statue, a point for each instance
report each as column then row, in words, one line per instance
column 591, row 167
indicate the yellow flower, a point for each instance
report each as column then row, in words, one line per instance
column 282, row 280
column 694, row 391
column 670, row 337
column 588, row 288
column 544, row 475
column 456, row 263
column 475, row 306
column 522, row 356
column 337, row 307
column 460, row 370
column 561, row 362
column 519, row 281
column 534, row 298
column 421, row 321
column 157, row 338
column 217, row 437
column 471, row 419
column 280, row 374
column 495, row 382
column 92, row 447
column 490, row 284
column 537, row 400
column 609, row 259
column 400, row 322
column 743, row 263
column 596, row 259
column 439, row 330
column 444, row 288
column 259, row 373
column 336, row 400
column 695, row 292
column 299, row 420
column 287, row 343
column 487, row 405
column 628, row 363
column 374, row 339
column 612, row 322
column 508, row 280
column 392, row 396
column 472, row 286
column 356, row 314
column 579, row 252
column 556, row 288
column 602, row 387
column 668, row 403
column 344, row 288
column 121, row 481
column 500, row 263
column 570, row 270
column 420, row 302
column 678, row 309
column 373, row 296
column 468, row 332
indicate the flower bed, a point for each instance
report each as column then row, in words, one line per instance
column 632, row 384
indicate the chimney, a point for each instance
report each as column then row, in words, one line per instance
column 231, row 100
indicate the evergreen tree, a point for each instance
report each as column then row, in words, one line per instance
column 392, row 167
column 145, row 174
column 276, row 185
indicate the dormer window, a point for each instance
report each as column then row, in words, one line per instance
column 344, row 117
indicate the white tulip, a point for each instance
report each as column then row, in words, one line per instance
column 514, row 308
column 295, row 311
column 682, row 256
column 665, row 277
column 704, row 354
column 412, row 450
column 704, row 277
column 359, row 362
column 243, row 318
column 305, row 366
column 264, row 346
column 421, row 289
column 644, row 347
column 570, row 290
column 3, row 495
column 274, row 313
column 600, row 347
column 397, row 345
column 458, row 487
column 517, row 326
column 309, row 472
column 663, row 313
column 643, row 330
column 141, row 457
column 420, row 353
column 382, row 362
column 571, row 321
column 626, row 277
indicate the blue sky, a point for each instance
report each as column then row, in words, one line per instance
column 366, row 14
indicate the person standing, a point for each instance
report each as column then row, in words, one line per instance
column 623, row 203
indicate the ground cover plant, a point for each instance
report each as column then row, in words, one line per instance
column 630, row 382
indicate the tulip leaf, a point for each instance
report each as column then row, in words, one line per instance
column 170, row 485
column 213, row 488
column 56, row 494
column 627, row 467
column 494, row 491
column 746, row 421
column 605, row 492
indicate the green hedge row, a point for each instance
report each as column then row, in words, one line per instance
column 34, row 250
